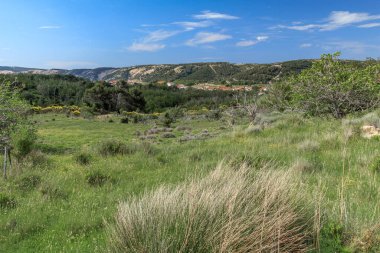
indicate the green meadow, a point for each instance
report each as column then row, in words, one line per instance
column 61, row 198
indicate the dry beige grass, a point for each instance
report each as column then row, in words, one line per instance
column 230, row 210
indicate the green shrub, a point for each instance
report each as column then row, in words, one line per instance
column 96, row 178
column 337, row 88
column 168, row 135
column 124, row 120
column 23, row 141
column 52, row 192
column 332, row 238
column 7, row 202
column 375, row 165
column 115, row 147
column 36, row 159
column 83, row 158
column 30, row 182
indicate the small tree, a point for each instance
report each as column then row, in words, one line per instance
column 332, row 86
column 13, row 113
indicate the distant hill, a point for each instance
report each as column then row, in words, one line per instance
column 192, row 73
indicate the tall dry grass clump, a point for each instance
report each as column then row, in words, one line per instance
column 230, row 210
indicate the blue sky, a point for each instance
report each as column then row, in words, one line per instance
column 115, row 33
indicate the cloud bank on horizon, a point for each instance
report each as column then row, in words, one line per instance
column 51, row 34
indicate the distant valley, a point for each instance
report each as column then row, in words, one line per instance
column 188, row 74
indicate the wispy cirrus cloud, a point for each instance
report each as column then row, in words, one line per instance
column 152, row 41
column 149, row 42
column 207, row 37
column 191, row 25
column 306, row 45
column 214, row 15
column 336, row 20
column 49, row 27
column 248, row 43
column 160, row 35
column 370, row 25
column 145, row 47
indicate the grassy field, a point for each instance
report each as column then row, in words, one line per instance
column 57, row 208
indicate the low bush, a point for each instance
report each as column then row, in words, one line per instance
column 7, row 202
column 96, row 178
column 23, row 141
column 36, row 158
column 83, row 158
column 52, row 192
column 30, row 182
column 168, row 135
column 115, row 147
column 124, row 120
column 231, row 210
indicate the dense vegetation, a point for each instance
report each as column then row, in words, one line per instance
column 46, row 90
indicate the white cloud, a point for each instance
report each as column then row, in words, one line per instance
column 306, row 45
column 145, row 47
column 148, row 43
column 191, row 25
column 207, row 37
column 248, row 43
column 262, row 38
column 50, row 27
column 341, row 18
column 369, row 25
column 214, row 15
column 336, row 20
column 299, row 27
column 159, row 35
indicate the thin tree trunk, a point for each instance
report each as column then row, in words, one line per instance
column 10, row 162
column 5, row 163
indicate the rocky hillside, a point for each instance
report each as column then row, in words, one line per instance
column 218, row 72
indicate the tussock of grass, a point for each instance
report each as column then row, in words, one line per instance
column 308, row 145
column 230, row 210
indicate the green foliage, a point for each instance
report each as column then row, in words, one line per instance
column 13, row 112
column 83, row 158
column 96, row 178
column 162, row 98
column 23, row 141
column 332, row 238
column 279, row 96
column 104, row 97
column 52, row 192
column 29, row 182
column 44, row 90
column 7, row 202
column 333, row 87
